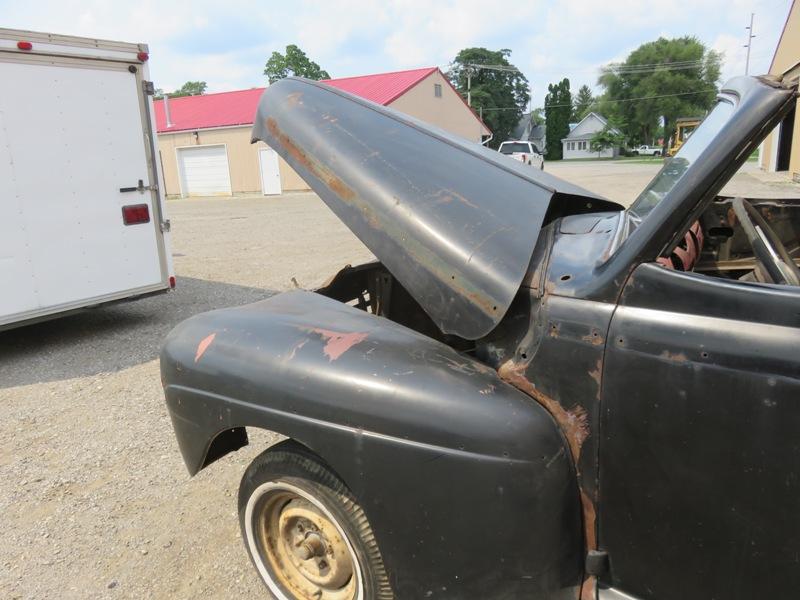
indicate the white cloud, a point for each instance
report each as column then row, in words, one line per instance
column 549, row 40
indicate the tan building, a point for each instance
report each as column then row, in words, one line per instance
column 204, row 141
column 781, row 149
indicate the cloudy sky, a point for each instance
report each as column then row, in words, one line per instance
column 227, row 43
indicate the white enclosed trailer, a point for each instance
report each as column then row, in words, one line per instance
column 82, row 219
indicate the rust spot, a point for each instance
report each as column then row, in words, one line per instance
column 588, row 588
column 573, row 422
column 575, row 427
column 203, row 346
column 594, row 338
column 589, row 519
column 293, row 99
column 336, row 185
column 339, row 188
column 676, row 357
column 447, row 196
column 338, row 343
column 597, row 374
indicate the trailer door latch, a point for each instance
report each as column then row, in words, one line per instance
column 141, row 188
column 166, row 226
column 148, row 88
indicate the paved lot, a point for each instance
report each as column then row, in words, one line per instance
column 96, row 502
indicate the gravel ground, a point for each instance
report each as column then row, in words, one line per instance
column 95, row 499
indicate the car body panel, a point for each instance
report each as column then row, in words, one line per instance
column 455, row 222
column 408, row 423
column 699, row 454
column 640, row 384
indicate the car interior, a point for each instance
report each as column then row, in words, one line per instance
column 746, row 240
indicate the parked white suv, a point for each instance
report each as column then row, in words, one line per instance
column 525, row 152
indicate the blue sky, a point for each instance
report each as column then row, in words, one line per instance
column 227, row 43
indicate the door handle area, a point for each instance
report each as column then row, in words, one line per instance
column 141, row 188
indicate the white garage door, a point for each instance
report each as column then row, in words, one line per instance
column 204, row 171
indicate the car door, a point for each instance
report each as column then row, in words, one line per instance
column 700, row 439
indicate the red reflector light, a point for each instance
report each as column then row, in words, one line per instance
column 24, row 45
column 134, row 214
column 172, row 281
column 143, row 56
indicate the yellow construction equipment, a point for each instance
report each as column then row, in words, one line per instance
column 683, row 129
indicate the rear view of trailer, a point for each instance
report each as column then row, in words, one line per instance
column 83, row 218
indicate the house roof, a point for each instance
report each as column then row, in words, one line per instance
column 225, row 109
column 228, row 109
column 576, row 133
column 381, row 88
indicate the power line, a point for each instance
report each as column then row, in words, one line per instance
column 595, row 102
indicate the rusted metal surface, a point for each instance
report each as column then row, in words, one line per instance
column 697, row 376
column 454, row 222
column 409, row 423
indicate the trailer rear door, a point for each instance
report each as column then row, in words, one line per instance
column 73, row 133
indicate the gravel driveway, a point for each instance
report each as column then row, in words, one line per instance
column 96, row 502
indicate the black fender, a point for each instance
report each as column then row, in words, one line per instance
column 467, row 482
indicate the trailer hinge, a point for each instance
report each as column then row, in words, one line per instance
column 148, row 88
column 596, row 562
column 166, row 226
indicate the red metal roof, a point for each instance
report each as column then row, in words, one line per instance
column 228, row 109
column 225, row 109
column 381, row 88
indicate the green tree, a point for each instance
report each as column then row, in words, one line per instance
column 659, row 82
column 608, row 137
column 190, row 88
column 557, row 113
column 500, row 95
column 294, row 62
column 582, row 103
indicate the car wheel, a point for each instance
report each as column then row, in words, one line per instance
column 657, row 154
column 305, row 532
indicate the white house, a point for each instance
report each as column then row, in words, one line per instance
column 578, row 143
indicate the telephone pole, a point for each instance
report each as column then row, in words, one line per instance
column 750, row 36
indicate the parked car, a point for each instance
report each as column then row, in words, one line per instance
column 645, row 150
column 525, row 152
column 533, row 393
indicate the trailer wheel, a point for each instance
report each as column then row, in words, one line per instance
column 305, row 532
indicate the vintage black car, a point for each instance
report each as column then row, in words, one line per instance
column 532, row 393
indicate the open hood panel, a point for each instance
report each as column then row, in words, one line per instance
column 454, row 222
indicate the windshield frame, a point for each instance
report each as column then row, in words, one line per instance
column 759, row 105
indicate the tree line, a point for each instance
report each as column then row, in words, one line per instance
column 641, row 97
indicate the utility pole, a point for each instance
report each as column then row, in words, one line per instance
column 750, row 36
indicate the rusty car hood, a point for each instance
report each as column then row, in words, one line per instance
column 454, row 222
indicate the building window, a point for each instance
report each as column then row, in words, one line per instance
column 437, row 90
